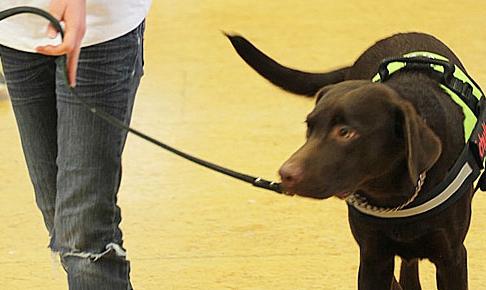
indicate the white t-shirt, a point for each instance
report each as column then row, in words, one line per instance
column 105, row 20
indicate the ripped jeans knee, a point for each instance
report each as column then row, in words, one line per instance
column 110, row 249
column 107, row 270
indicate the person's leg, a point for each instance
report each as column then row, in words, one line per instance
column 2, row 77
column 86, row 225
column 31, row 83
column 3, row 85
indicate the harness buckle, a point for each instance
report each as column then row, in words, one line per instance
column 465, row 90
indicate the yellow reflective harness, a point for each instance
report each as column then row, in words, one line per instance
column 470, row 116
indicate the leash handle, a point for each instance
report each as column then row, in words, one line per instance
column 463, row 89
column 417, row 62
column 33, row 10
column 61, row 61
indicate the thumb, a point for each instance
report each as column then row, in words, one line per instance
column 57, row 9
column 51, row 31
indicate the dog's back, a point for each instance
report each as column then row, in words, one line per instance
column 397, row 45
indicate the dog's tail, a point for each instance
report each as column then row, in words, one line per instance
column 294, row 81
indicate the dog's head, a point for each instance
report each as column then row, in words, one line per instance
column 357, row 132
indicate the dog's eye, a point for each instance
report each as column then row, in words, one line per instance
column 345, row 133
column 310, row 127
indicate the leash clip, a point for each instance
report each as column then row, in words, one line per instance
column 270, row 185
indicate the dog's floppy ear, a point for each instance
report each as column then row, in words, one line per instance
column 322, row 92
column 423, row 147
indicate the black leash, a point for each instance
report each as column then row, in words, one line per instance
column 255, row 181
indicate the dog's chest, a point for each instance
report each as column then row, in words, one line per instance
column 409, row 245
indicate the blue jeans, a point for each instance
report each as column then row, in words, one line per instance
column 73, row 157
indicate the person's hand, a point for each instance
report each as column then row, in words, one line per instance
column 73, row 13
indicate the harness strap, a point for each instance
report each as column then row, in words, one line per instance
column 444, row 194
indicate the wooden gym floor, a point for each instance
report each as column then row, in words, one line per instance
column 188, row 228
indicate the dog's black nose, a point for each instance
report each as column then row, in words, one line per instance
column 291, row 175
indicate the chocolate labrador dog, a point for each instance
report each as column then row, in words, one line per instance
column 379, row 140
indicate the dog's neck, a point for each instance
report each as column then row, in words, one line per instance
column 390, row 190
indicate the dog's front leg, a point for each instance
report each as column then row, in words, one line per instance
column 452, row 270
column 375, row 270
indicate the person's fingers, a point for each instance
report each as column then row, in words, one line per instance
column 71, row 41
column 71, row 50
column 73, row 14
column 57, row 9
column 72, row 67
column 60, row 49
column 70, row 47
